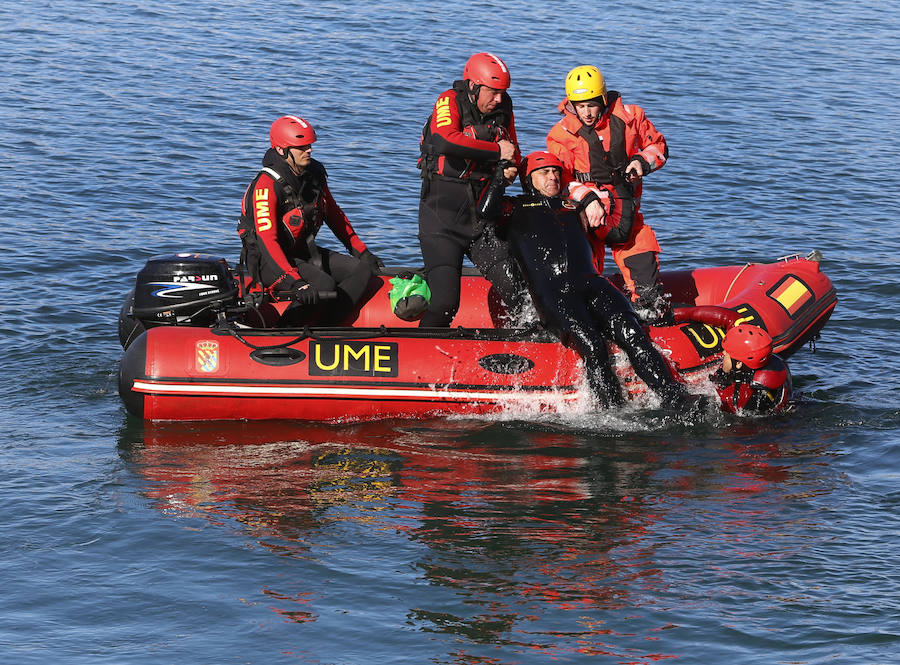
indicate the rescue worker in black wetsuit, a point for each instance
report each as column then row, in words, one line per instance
column 281, row 213
column 470, row 130
column 752, row 379
column 583, row 308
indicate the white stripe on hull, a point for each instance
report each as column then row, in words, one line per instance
column 319, row 391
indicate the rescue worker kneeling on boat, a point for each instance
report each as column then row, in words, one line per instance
column 607, row 148
column 281, row 213
column 582, row 307
column 471, row 129
column 751, row 379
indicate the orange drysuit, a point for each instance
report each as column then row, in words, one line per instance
column 594, row 161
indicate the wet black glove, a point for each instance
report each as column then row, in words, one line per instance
column 303, row 293
column 374, row 262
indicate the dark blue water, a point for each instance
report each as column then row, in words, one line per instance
column 130, row 129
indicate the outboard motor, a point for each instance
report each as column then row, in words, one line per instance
column 177, row 289
column 183, row 289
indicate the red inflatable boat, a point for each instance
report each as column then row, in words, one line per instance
column 380, row 366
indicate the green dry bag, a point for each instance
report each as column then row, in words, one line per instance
column 409, row 296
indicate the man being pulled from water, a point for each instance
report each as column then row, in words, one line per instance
column 752, row 379
column 583, row 308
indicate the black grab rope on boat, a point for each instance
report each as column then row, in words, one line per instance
column 533, row 333
column 381, row 331
column 229, row 330
column 306, row 334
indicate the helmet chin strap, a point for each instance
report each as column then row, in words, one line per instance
column 291, row 160
column 528, row 186
column 474, row 89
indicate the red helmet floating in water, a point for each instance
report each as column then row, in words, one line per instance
column 540, row 160
column 290, row 131
column 487, row 69
column 750, row 345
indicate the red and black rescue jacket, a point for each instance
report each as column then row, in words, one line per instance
column 281, row 213
column 459, row 142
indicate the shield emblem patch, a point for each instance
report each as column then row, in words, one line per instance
column 207, row 356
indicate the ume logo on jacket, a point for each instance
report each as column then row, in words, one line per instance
column 442, row 112
column 261, row 209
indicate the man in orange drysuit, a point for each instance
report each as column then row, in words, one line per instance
column 606, row 148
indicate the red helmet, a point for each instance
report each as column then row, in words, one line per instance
column 290, row 131
column 540, row 160
column 487, row 69
column 749, row 344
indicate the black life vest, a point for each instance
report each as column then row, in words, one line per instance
column 303, row 192
column 491, row 126
column 607, row 166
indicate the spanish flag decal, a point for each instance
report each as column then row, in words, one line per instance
column 792, row 294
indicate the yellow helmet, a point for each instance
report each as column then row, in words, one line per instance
column 584, row 83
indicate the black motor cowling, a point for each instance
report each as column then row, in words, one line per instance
column 183, row 289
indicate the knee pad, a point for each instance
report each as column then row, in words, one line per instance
column 643, row 269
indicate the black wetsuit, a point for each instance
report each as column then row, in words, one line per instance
column 582, row 307
column 448, row 230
